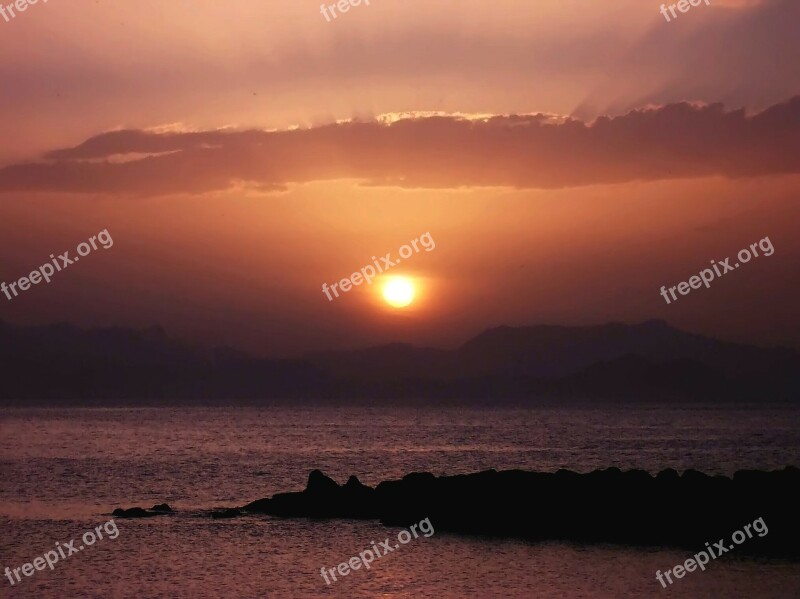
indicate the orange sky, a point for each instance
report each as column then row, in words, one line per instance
column 227, row 237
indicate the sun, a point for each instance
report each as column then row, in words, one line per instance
column 398, row 292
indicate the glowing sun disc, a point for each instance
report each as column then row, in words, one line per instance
column 398, row 292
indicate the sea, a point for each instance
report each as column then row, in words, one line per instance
column 63, row 470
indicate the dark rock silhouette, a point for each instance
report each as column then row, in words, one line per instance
column 609, row 506
column 134, row 512
column 322, row 497
column 226, row 513
column 138, row 512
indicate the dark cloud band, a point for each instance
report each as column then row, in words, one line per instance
column 675, row 141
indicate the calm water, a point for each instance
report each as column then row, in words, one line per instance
column 64, row 470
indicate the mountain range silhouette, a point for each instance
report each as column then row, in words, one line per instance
column 651, row 361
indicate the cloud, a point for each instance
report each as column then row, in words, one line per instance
column 739, row 52
column 268, row 69
column 680, row 140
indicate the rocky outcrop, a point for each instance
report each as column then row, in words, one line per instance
column 225, row 513
column 609, row 506
column 322, row 498
column 137, row 512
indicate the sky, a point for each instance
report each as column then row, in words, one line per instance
column 568, row 158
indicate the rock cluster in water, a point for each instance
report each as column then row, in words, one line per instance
column 631, row 507
column 605, row 506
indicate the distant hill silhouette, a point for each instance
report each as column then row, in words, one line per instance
column 646, row 362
